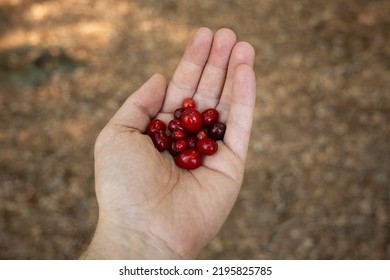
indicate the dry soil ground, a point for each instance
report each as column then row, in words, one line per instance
column 317, row 182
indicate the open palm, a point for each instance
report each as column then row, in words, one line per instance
column 149, row 207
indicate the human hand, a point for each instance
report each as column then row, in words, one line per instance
column 148, row 207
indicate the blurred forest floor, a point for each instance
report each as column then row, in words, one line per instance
column 317, row 182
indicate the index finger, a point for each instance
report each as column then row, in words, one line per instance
column 187, row 74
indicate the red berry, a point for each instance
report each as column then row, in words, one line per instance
column 202, row 134
column 178, row 134
column 177, row 113
column 175, row 125
column 210, row 116
column 191, row 120
column 189, row 159
column 193, row 134
column 207, row 146
column 188, row 103
column 160, row 140
column 181, row 145
column 155, row 125
column 216, row 131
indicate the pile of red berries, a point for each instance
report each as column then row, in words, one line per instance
column 192, row 134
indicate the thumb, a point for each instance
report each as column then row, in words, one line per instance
column 142, row 105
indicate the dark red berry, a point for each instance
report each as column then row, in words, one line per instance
column 175, row 125
column 191, row 120
column 160, row 140
column 207, row 146
column 216, row 131
column 172, row 147
column 191, row 139
column 189, row 159
column 178, row 134
column 188, row 103
column 210, row 116
column 155, row 125
column 181, row 145
column 177, row 113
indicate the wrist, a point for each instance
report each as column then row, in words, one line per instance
column 112, row 241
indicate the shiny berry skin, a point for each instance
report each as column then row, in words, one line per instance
column 175, row 125
column 216, row 131
column 191, row 120
column 181, row 145
column 177, row 113
column 178, row 134
column 160, row 140
column 207, row 146
column 189, row 159
column 188, row 103
column 155, row 125
column 210, row 116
